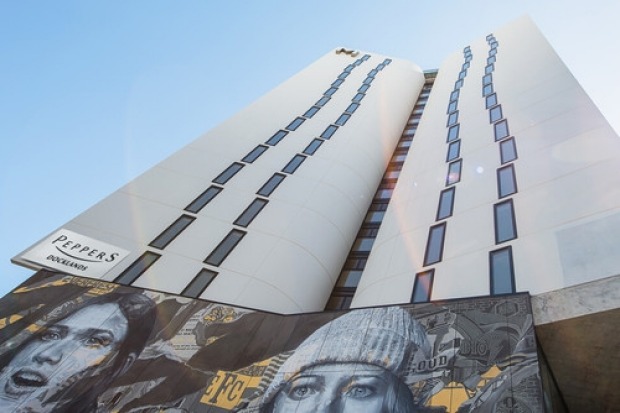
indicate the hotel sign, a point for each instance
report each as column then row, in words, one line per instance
column 77, row 254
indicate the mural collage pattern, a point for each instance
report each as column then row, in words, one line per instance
column 83, row 345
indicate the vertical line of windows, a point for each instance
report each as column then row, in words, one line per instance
column 436, row 235
column 210, row 193
column 501, row 267
column 351, row 273
column 246, row 217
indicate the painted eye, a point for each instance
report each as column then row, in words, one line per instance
column 95, row 341
column 301, row 392
column 50, row 335
column 360, row 392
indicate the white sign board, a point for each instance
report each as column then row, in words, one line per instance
column 76, row 254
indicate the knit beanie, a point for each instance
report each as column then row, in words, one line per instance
column 384, row 337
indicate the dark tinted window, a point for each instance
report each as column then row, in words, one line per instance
column 422, row 287
column 250, row 212
column 255, row 153
column 136, row 269
column 204, row 198
column 228, row 173
column 225, row 247
column 196, row 287
column 446, row 203
column 505, row 226
column 271, row 184
column 434, row 246
column 502, row 271
column 172, row 232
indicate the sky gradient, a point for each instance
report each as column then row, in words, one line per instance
column 95, row 93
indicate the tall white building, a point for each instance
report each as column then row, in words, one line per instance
column 364, row 180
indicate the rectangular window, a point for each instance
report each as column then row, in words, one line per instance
column 453, row 118
column 313, row 146
column 399, row 157
column 277, row 137
column 349, row 278
column 203, row 199
column 487, row 79
column 458, row 84
column 200, row 282
column 465, row 66
column 434, row 245
column 501, row 130
column 254, row 154
column 508, row 150
column 295, row 124
column 342, row 119
column 495, row 113
column 506, row 181
column 454, row 172
column 225, row 247
column 394, row 174
column 293, row 164
column 343, row 75
column 454, row 95
column 352, row 107
column 409, row 132
column 446, row 203
column 505, row 225
column 374, row 217
column 491, row 59
column 327, row 133
column 452, row 106
column 363, row 245
column 502, row 271
column 489, row 68
column 492, row 51
column 368, row 80
column 228, row 173
column 311, row 112
column 251, row 212
column 363, row 89
column 422, row 287
column 172, row 232
column 453, row 133
column 322, row 101
column 491, row 100
column 271, row 184
column 137, row 268
column 358, row 98
column 462, row 74
column 330, row 91
column 337, row 82
column 487, row 90
column 404, row 143
column 454, row 150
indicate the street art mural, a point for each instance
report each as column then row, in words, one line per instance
column 81, row 345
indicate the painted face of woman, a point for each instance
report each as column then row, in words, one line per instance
column 62, row 355
column 337, row 388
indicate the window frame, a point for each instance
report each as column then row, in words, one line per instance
column 423, row 296
column 203, row 199
column 228, row 173
column 512, row 221
column 438, row 230
column 493, row 256
column 172, row 231
column 225, row 247
column 271, row 184
column 199, row 278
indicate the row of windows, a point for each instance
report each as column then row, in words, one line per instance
column 435, row 242
column 353, row 268
column 501, row 267
column 205, row 276
column 235, row 236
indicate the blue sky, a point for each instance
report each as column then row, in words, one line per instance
column 94, row 93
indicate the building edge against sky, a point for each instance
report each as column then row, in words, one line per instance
column 264, row 208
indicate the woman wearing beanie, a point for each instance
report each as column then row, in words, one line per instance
column 355, row 363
